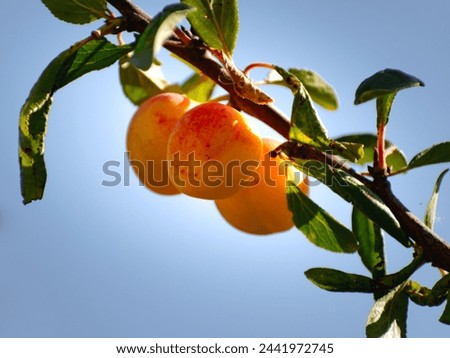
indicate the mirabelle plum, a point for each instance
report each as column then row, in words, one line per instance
column 261, row 208
column 212, row 151
column 147, row 137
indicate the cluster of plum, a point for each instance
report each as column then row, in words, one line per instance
column 209, row 151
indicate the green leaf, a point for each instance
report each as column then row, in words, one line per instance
column 395, row 158
column 288, row 79
column 216, row 22
column 384, row 86
column 394, row 279
column 319, row 227
column 387, row 319
column 438, row 153
column 384, row 105
column 33, row 127
column 371, row 243
column 356, row 193
column 307, row 127
column 441, row 287
column 348, row 150
column 93, row 56
column 139, row 85
column 385, row 82
column 67, row 66
column 159, row 30
column 198, row 87
column 339, row 281
column 77, row 11
column 423, row 296
column 370, row 204
column 445, row 317
column 320, row 91
column 430, row 213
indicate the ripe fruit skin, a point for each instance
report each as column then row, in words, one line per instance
column 147, row 137
column 211, row 150
column 262, row 208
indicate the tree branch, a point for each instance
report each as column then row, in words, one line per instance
column 135, row 19
column 436, row 250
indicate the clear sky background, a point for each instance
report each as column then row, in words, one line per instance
column 96, row 261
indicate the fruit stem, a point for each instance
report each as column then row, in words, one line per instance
column 256, row 65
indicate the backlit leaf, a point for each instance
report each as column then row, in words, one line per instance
column 306, row 125
column 93, row 56
column 139, row 85
column 216, row 22
column 387, row 319
column 384, row 106
column 371, row 243
column 348, row 150
column 395, row 158
column 76, row 11
column 317, row 225
column 159, row 30
column 198, row 87
column 320, row 91
column 67, row 66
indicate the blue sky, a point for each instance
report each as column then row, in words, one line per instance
column 96, row 261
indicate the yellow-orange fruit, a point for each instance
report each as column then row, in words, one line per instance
column 262, row 207
column 147, row 137
column 211, row 151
